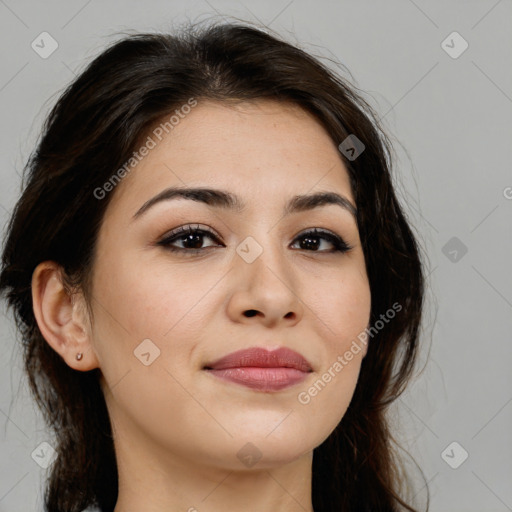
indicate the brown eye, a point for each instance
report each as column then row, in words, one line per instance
column 191, row 238
column 311, row 240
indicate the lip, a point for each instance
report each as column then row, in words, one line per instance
column 261, row 369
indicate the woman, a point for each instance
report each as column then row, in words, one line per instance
column 217, row 289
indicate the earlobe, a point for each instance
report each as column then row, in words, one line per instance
column 60, row 319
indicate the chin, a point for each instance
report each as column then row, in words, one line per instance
column 257, row 449
column 256, row 456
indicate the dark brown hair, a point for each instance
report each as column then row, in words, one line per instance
column 92, row 130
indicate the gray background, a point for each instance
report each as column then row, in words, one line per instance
column 451, row 119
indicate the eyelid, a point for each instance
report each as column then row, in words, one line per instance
column 186, row 228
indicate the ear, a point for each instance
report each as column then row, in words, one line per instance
column 62, row 319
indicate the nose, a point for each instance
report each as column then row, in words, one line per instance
column 265, row 291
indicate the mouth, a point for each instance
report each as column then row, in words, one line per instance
column 261, row 369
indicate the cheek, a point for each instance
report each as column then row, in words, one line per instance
column 341, row 302
column 353, row 308
column 149, row 300
column 168, row 305
column 140, row 303
column 342, row 307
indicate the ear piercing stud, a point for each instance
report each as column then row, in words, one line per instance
column 79, row 356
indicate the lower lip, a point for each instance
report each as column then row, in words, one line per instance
column 262, row 379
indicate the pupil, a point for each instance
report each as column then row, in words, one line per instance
column 307, row 243
column 191, row 238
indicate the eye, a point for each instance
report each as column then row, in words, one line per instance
column 310, row 240
column 191, row 237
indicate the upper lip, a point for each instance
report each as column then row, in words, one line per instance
column 262, row 358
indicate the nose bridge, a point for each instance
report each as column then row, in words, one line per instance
column 264, row 267
column 264, row 254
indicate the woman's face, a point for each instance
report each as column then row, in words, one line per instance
column 167, row 306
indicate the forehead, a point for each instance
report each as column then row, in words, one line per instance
column 264, row 150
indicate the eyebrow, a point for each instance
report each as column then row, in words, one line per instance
column 226, row 200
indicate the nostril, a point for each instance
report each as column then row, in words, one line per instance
column 250, row 312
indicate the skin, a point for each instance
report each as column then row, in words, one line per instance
column 177, row 429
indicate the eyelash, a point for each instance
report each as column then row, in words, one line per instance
column 339, row 244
